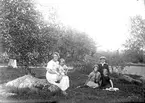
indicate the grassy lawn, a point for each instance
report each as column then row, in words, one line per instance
column 128, row 92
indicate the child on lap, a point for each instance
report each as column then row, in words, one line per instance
column 62, row 70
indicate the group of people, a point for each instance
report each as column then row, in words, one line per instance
column 57, row 74
column 99, row 77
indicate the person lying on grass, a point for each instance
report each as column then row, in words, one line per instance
column 106, row 82
column 94, row 78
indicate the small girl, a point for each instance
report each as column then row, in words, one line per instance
column 94, row 78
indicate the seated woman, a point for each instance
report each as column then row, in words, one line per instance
column 52, row 75
column 94, row 78
column 106, row 81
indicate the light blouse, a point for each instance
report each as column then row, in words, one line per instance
column 52, row 66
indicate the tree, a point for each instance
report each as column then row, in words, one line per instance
column 20, row 30
column 28, row 38
column 74, row 45
column 135, row 45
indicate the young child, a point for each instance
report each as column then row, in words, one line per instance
column 94, row 78
column 106, row 81
column 62, row 70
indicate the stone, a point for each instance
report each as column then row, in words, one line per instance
column 28, row 82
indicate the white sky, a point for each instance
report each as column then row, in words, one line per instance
column 106, row 21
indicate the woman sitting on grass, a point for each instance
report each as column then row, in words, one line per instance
column 94, row 78
column 53, row 76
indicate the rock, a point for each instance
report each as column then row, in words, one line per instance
column 28, row 83
column 129, row 79
column 21, row 82
column 5, row 92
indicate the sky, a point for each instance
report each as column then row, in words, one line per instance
column 107, row 22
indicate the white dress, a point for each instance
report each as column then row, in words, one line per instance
column 52, row 77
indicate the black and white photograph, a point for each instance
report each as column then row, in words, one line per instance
column 72, row 51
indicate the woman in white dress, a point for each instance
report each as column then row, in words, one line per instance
column 52, row 75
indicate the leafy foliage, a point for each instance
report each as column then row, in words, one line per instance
column 135, row 45
column 26, row 37
column 19, row 28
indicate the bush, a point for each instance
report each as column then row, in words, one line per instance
column 4, row 58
